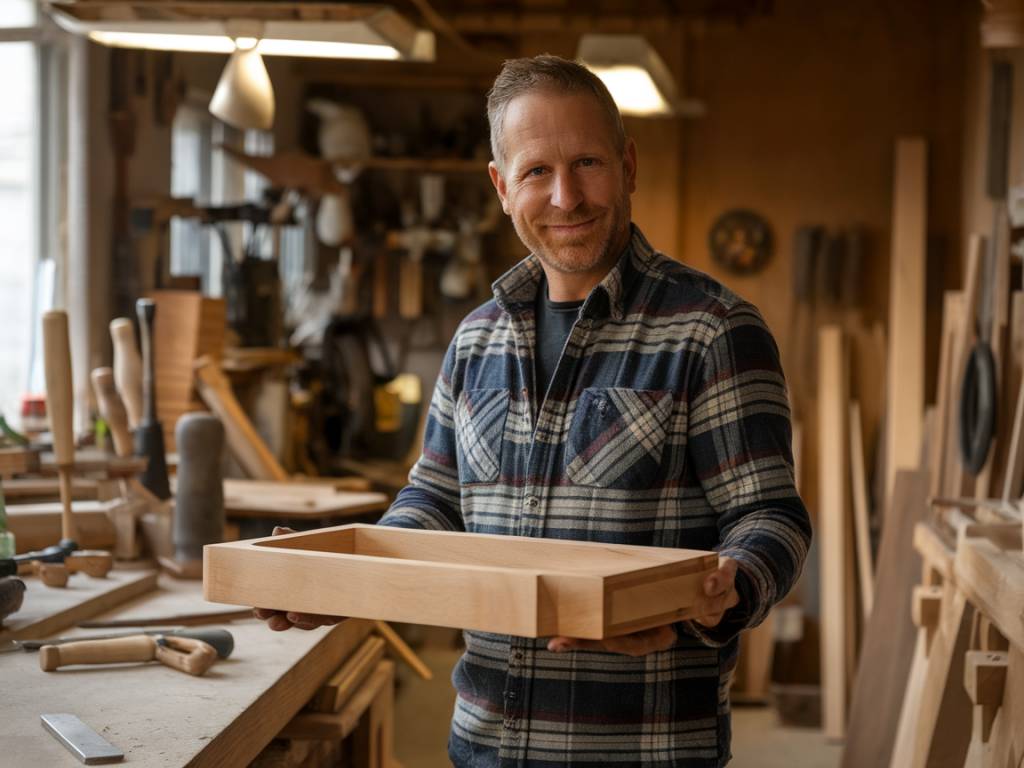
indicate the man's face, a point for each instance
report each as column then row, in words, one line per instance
column 564, row 184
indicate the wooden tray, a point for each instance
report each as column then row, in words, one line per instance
column 502, row 584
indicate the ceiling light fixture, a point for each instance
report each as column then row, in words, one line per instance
column 635, row 75
column 244, row 97
column 381, row 35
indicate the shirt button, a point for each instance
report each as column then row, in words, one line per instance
column 532, row 501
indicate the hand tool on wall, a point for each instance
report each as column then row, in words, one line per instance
column 59, row 405
column 149, row 437
column 185, row 654
column 199, row 501
column 802, row 370
column 127, row 368
column 222, row 641
column 978, row 397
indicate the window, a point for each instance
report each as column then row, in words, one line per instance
column 203, row 173
column 30, row 162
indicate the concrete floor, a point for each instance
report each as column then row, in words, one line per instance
column 423, row 710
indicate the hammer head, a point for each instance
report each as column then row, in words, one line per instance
column 223, row 642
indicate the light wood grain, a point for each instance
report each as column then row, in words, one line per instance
column 906, row 362
column 339, row 689
column 36, row 526
column 861, row 513
column 127, row 368
column 510, row 585
column 833, row 463
column 244, row 441
column 339, row 725
column 48, row 611
column 989, row 568
column 296, row 500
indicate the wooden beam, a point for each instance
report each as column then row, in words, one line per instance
column 833, row 514
column 906, row 362
column 861, row 513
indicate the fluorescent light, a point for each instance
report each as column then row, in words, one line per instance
column 224, row 44
column 633, row 90
column 323, row 49
column 385, row 35
column 636, row 76
column 157, row 41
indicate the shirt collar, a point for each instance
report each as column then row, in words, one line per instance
column 516, row 290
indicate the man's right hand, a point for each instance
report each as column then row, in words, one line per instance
column 279, row 621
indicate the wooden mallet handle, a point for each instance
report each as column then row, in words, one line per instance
column 127, row 368
column 60, row 406
column 112, row 410
column 118, row 650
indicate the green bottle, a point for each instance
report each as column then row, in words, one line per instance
column 6, row 537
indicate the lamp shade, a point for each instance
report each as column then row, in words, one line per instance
column 244, row 97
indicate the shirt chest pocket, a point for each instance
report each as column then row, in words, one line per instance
column 480, row 429
column 617, row 438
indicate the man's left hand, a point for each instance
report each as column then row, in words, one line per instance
column 719, row 596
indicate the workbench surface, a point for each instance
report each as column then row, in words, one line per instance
column 160, row 716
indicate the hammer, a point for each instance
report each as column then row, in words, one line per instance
column 222, row 641
column 186, row 654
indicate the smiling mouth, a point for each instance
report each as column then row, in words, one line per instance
column 570, row 228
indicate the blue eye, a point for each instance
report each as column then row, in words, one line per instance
column 535, row 171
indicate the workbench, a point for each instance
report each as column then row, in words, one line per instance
column 163, row 717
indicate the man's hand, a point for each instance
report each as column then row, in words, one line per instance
column 719, row 594
column 279, row 621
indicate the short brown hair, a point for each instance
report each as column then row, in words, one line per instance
column 546, row 72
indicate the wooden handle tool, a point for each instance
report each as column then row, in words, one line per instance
column 60, row 406
column 185, row 654
column 51, row 574
column 127, row 368
column 113, row 410
column 92, row 562
column 122, row 649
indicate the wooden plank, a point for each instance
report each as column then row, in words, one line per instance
column 188, row 325
column 944, row 711
column 40, row 489
column 46, row 611
column 1006, row 741
column 224, row 718
column 889, row 636
column 906, row 360
column 956, row 480
column 343, row 683
column 511, row 585
column 862, row 525
column 833, row 513
column 36, row 526
column 339, row 725
column 945, row 399
column 1013, row 406
column 990, row 571
column 243, row 440
column 295, row 500
column 18, row 461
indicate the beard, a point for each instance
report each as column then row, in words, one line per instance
column 599, row 246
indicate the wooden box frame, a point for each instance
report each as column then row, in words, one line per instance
column 502, row 584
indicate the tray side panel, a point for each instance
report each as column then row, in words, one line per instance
column 492, row 600
column 659, row 597
column 571, row 606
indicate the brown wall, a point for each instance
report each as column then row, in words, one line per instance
column 803, row 110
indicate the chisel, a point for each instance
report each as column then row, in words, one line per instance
column 149, row 437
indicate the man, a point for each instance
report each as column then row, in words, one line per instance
column 607, row 393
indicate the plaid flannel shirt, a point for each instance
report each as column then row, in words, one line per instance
column 666, row 424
